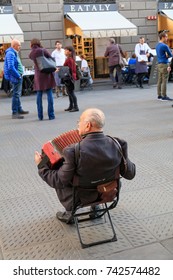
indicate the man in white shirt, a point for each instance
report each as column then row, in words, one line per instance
column 85, row 69
column 59, row 56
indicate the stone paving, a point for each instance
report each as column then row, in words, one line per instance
column 144, row 215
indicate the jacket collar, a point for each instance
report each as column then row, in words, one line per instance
column 93, row 134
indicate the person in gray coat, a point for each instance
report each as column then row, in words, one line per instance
column 99, row 159
column 113, row 52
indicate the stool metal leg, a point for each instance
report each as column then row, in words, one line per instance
column 78, row 221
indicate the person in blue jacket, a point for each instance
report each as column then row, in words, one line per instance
column 163, row 53
column 13, row 71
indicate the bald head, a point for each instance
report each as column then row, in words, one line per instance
column 15, row 44
column 95, row 116
column 91, row 120
column 112, row 40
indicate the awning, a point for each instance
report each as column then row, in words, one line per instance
column 9, row 29
column 167, row 13
column 102, row 24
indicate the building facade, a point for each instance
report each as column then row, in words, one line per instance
column 47, row 21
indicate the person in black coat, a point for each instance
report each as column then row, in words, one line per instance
column 98, row 161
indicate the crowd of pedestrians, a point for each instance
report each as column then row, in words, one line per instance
column 138, row 64
column 118, row 62
column 43, row 82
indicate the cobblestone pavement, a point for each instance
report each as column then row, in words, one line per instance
column 144, row 216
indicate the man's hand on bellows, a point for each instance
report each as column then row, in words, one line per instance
column 37, row 157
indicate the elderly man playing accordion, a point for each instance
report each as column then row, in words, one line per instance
column 98, row 160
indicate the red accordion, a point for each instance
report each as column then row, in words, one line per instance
column 52, row 150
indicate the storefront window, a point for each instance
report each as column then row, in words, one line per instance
column 165, row 19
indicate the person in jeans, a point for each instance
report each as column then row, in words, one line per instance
column 42, row 81
column 113, row 52
column 13, row 71
column 163, row 53
column 96, row 164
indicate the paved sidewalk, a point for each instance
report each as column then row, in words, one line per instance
column 144, row 216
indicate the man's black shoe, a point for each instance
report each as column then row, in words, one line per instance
column 95, row 213
column 68, row 109
column 23, row 112
column 74, row 110
column 17, row 116
column 65, row 217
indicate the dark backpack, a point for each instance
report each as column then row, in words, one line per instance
column 64, row 72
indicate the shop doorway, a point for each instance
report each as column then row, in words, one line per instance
column 165, row 23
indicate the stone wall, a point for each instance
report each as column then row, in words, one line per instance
column 137, row 12
column 43, row 19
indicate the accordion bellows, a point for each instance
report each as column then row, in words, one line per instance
column 53, row 149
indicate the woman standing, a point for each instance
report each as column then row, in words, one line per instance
column 42, row 81
column 70, row 62
column 142, row 51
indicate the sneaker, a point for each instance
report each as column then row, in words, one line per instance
column 159, row 97
column 166, row 98
column 65, row 217
column 17, row 116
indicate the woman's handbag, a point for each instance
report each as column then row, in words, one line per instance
column 78, row 72
column 46, row 64
column 121, row 60
column 64, row 73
